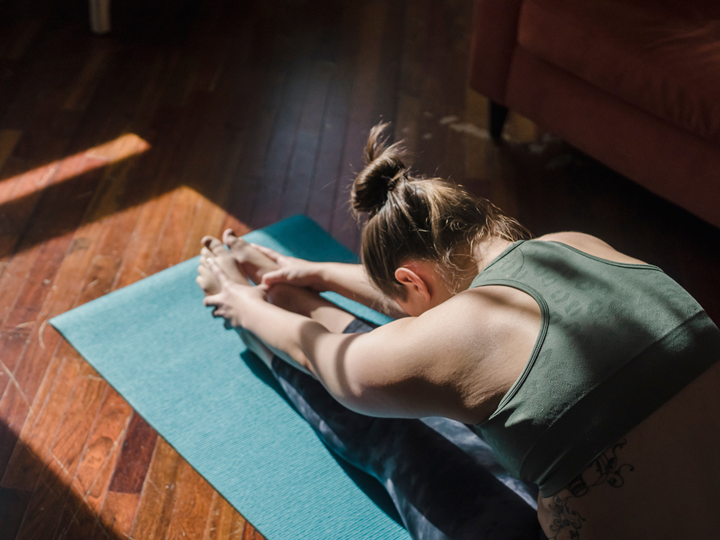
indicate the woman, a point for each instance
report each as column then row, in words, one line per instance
column 590, row 373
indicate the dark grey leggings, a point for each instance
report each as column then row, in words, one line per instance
column 442, row 478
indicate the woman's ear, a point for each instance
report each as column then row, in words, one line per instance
column 410, row 277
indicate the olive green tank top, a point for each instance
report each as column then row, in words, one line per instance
column 616, row 342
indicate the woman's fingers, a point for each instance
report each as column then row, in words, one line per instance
column 276, row 276
column 212, row 300
column 269, row 253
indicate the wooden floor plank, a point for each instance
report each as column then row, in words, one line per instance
column 14, row 408
column 192, row 506
column 12, row 345
column 47, row 128
column 239, row 91
column 435, row 110
column 385, row 100
column 55, row 485
column 158, row 495
column 361, row 109
column 458, row 18
column 8, row 139
column 141, row 248
column 60, row 257
column 330, row 159
column 171, row 244
column 269, row 199
column 84, row 86
column 121, row 499
column 94, row 471
column 224, row 522
column 296, row 190
column 85, row 240
column 37, row 285
column 41, row 346
column 43, row 511
column 28, row 458
column 19, row 210
column 116, row 516
column 165, row 164
column 137, row 451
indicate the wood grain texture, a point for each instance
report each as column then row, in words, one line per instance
column 93, row 474
column 116, row 516
column 373, row 23
column 135, row 456
column 40, row 427
column 192, row 506
column 329, row 164
column 159, row 494
column 224, row 522
column 248, row 112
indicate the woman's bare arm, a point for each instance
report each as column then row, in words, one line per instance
column 402, row 369
column 349, row 280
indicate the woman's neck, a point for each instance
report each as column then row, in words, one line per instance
column 488, row 250
column 483, row 253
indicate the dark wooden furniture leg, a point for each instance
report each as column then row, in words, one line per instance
column 498, row 114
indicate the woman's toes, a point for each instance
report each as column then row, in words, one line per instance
column 211, row 242
column 236, row 244
column 227, row 263
column 207, row 281
column 229, row 236
column 219, row 250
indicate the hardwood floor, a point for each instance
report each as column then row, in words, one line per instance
column 118, row 153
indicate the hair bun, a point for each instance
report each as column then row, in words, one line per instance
column 384, row 168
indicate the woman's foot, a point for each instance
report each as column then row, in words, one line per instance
column 240, row 261
column 214, row 249
column 253, row 263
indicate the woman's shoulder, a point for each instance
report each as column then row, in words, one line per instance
column 589, row 244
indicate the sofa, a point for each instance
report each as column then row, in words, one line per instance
column 633, row 83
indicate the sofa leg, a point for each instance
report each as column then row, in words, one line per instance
column 498, row 114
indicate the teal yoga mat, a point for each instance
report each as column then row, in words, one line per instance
column 216, row 404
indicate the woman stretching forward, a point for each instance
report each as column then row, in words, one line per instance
column 591, row 374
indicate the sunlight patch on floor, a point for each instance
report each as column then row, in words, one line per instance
column 121, row 148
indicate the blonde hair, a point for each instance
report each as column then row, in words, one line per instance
column 413, row 217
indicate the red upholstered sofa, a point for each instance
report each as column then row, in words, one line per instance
column 633, row 83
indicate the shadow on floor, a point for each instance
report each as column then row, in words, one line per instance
column 36, row 503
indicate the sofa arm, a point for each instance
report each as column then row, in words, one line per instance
column 495, row 31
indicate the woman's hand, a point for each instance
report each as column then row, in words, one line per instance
column 292, row 271
column 233, row 300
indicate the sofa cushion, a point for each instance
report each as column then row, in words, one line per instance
column 662, row 56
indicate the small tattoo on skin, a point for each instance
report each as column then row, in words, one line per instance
column 566, row 523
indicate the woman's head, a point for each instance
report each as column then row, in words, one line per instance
column 417, row 218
